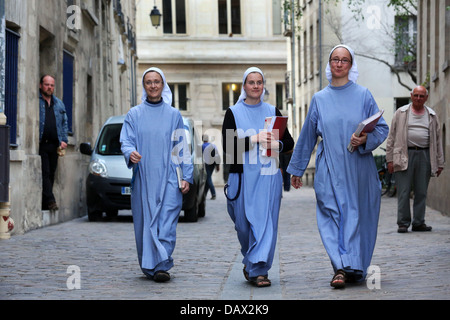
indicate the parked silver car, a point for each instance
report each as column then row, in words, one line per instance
column 108, row 181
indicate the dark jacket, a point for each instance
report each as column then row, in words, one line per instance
column 60, row 116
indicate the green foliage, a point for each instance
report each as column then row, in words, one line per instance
column 287, row 17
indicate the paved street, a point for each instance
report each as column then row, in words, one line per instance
column 45, row 263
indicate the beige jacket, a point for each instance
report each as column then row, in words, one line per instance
column 397, row 143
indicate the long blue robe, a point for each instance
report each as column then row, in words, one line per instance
column 155, row 131
column 347, row 186
column 255, row 212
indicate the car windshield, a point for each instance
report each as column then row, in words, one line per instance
column 109, row 141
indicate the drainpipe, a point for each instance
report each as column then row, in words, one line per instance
column 6, row 223
column 320, row 45
column 293, row 62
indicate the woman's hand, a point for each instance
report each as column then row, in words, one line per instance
column 266, row 139
column 184, row 187
column 357, row 141
column 135, row 157
column 296, row 182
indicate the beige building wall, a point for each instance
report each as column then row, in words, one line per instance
column 323, row 25
column 434, row 71
column 204, row 59
column 97, row 36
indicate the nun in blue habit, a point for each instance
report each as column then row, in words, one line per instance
column 346, row 184
column 154, row 143
column 255, row 184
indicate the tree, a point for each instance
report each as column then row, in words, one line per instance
column 404, row 38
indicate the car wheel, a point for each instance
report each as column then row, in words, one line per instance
column 190, row 215
column 95, row 215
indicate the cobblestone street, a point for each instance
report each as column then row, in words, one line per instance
column 40, row 264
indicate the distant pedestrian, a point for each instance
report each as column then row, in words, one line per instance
column 151, row 133
column 284, row 162
column 211, row 159
column 414, row 152
column 255, row 182
column 347, row 187
column 53, row 135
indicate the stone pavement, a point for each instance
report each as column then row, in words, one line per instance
column 46, row 264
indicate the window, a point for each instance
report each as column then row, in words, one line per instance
column 405, row 39
column 279, row 92
column 179, row 96
column 276, row 15
column 400, row 102
column 109, row 141
column 68, row 87
column 229, row 16
column 11, row 68
column 230, row 94
column 305, row 60
column 311, row 51
column 174, row 16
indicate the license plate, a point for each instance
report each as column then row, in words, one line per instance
column 126, row 190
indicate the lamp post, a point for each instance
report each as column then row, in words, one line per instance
column 155, row 17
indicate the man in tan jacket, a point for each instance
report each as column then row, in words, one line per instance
column 414, row 152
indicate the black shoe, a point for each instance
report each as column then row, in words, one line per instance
column 52, row 206
column 402, row 229
column 161, row 276
column 422, row 227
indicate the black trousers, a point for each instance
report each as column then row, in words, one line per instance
column 49, row 162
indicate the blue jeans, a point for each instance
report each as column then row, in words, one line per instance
column 209, row 183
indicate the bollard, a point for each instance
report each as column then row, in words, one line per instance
column 6, row 223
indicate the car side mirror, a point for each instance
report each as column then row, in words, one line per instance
column 85, row 148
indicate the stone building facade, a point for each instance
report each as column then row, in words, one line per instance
column 321, row 26
column 204, row 48
column 324, row 24
column 89, row 47
column 433, row 70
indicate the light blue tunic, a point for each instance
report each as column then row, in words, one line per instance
column 347, row 186
column 255, row 212
column 155, row 130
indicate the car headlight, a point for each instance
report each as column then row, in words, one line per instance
column 98, row 168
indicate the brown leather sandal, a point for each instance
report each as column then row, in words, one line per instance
column 338, row 281
column 261, row 281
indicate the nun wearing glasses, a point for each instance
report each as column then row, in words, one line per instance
column 346, row 184
column 255, row 183
column 154, row 144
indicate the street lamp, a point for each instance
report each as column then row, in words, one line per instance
column 155, row 17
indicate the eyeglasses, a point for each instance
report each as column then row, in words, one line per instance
column 149, row 83
column 258, row 83
column 343, row 61
column 419, row 95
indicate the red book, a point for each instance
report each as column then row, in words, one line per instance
column 367, row 125
column 277, row 125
